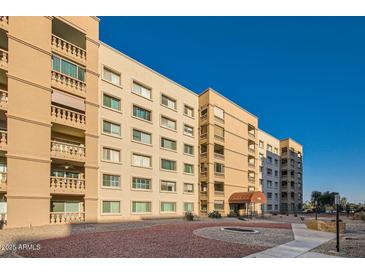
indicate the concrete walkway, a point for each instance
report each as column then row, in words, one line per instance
column 304, row 241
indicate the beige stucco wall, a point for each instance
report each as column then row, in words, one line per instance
column 131, row 71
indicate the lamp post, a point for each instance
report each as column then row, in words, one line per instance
column 316, row 208
column 337, row 202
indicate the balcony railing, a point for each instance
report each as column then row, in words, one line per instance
column 65, row 217
column 67, row 185
column 67, row 117
column 251, row 135
column 3, row 140
column 68, row 49
column 251, row 179
column 251, row 150
column 219, row 156
column 67, row 151
column 251, row 164
column 3, row 99
column 3, row 59
column 219, row 174
column 4, row 22
column 69, row 84
column 3, row 179
column 218, row 137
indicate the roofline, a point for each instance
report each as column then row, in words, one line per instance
column 291, row 139
column 263, row 131
column 229, row 100
column 148, row 68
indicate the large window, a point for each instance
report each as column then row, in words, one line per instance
column 141, row 183
column 141, row 90
column 218, row 187
column 142, row 137
column 168, row 164
column 168, row 102
column 167, row 143
column 112, row 155
column 141, row 113
column 189, row 168
column 111, row 102
column 168, row 123
column 110, row 207
column 218, row 205
column 219, row 113
column 168, row 186
column 219, row 168
column 168, row 207
column 188, row 111
column 188, row 188
column 141, row 160
column 68, row 68
column 218, row 132
column 188, row 149
column 111, row 180
column 111, row 76
column 65, row 206
column 188, row 130
column 111, row 128
column 188, row 207
column 141, row 207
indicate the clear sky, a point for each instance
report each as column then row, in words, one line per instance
column 304, row 77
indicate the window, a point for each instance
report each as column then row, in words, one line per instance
column 168, row 186
column 203, row 148
column 219, row 113
column 276, row 162
column 55, row 173
column 188, row 207
column 111, row 102
column 276, row 184
column 269, row 171
column 203, row 130
column 203, row 168
column 276, row 173
column 168, row 102
column 111, row 128
column 141, row 207
column 188, row 111
column 112, row 155
column 276, row 195
column 188, row 149
column 269, row 147
column 218, row 187
column 141, row 160
column 251, row 189
column 261, row 144
column 168, row 164
column 141, row 90
column 284, row 161
column 141, row 183
column 142, row 137
column 168, row 123
column 261, row 156
column 203, row 187
column 269, row 207
column 111, row 207
column 188, row 168
column 68, row 68
column 168, row 207
column 141, row 113
column 204, row 113
column 219, row 168
column 218, row 132
column 203, row 206
column 65, row 206
column 269, row 184
column 188, row 188
column 168, row 144
column 284, row 150
column 111, row 180
column 111, row 76
column 188, row 130
column 269, row 195
column 219, row 149
column 218, row 205
column 269, row 159
column 276, row 151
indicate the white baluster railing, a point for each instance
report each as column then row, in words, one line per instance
column 3, row 139
column 67, row 217
column 67, row 82
column 62, row 183
column 3, row 56
column 68, row 48
column 66, row 116
column 69, row 151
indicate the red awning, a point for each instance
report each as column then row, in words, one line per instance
column 247, row 197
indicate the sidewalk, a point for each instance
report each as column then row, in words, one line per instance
column 304, row 241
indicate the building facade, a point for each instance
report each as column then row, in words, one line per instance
column 87, row 134
column 269, row 159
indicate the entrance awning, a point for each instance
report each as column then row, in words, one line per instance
column 247, row 197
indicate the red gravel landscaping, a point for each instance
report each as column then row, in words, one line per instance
column 160, row 241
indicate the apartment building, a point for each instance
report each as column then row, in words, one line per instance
column 229, row 173
column 291, row 176
column 87, row 134
column 148, row 142
column 269, row 175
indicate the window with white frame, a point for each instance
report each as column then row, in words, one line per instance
column 188, row 111
column 168, row 207
column 111, row 76
column 142, row 137
column 189, row 168
column 219, row 113
column 112, row 155
column 141, row 183
column 142, row 90
column 111, row 207
column 168, row 123
column 141, row 160
column 111, row 102
column 218, row 168
column 111, row 128
column 168, row 143
column 111, row 180
column 188, row 149
column 141, row 113
column 219, row 205
column 141, row 207
column 188, row 188
column 188, row 207
column 168, row 186
column 188, row 130
column 168, row 102
column 168, row 164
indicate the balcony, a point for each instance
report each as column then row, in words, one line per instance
column 67, row 151
column 3, row 59
column 3, row 100
column 4, row 22
column 3, row 179
column 68, row 49
column 219, row 174
column 68, row 84
column 65, row 218
column 3, row 140
column 64, row 185
column 67, row 117
column 219, row 156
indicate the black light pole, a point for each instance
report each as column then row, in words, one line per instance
column 316, row 205
column 337, row 202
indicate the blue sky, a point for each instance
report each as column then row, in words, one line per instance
column 304, row 77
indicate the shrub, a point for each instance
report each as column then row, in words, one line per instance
column 359, row 216
column 189, row 216
column 214, row 214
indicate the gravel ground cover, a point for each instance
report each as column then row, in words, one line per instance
column 267, row 237
column 352, row 243
column 174, row 240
